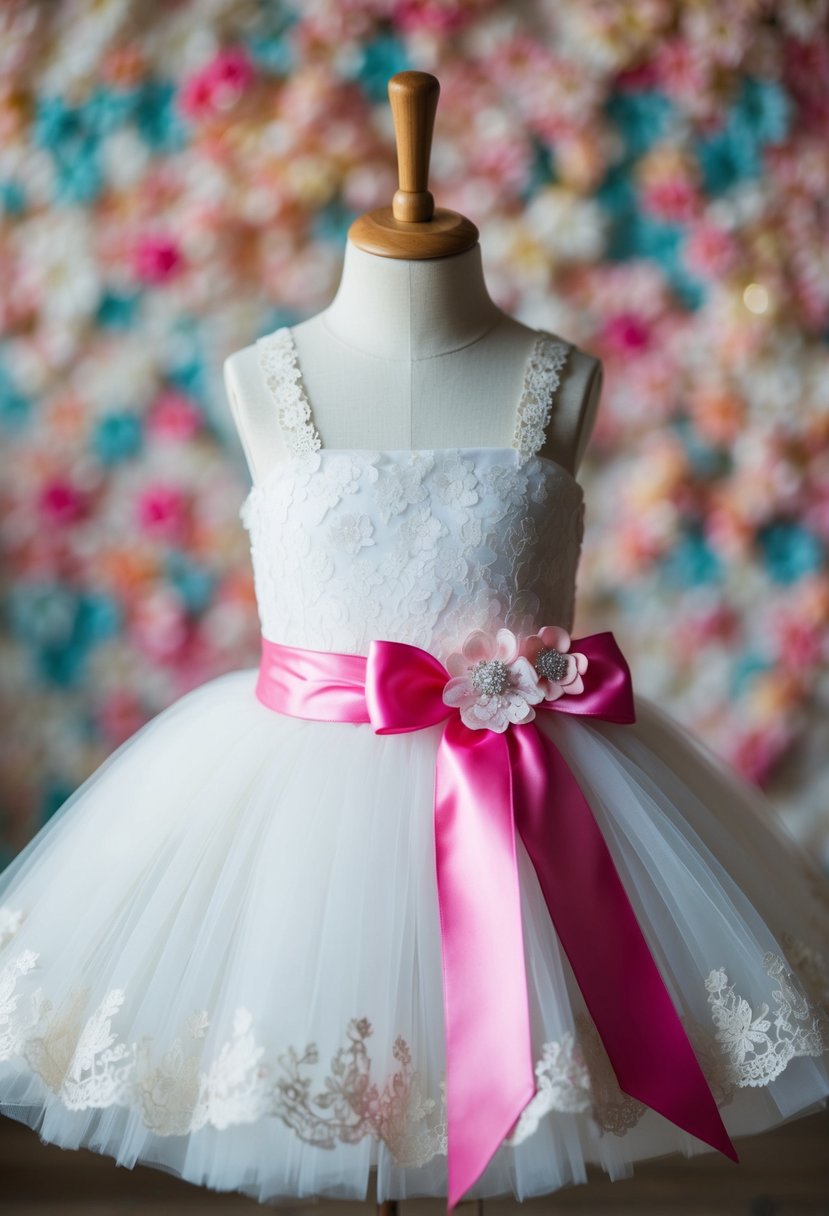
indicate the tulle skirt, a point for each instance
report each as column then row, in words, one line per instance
column 221, row 957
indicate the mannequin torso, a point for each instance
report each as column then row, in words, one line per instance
column 412, row 354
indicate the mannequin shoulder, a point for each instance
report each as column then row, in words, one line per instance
column 581, row 377
column 252, row 408
column 243, row 379
column 574, row 409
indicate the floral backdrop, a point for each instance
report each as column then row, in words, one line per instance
column 650, row 179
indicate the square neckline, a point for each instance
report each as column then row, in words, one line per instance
column 541, row 337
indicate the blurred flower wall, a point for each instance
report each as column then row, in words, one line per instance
column 650, row 179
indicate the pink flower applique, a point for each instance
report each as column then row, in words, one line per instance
column 492, row 684
column 557, row 668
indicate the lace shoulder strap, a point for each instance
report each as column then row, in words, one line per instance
column 542, row 377
column 280, row 368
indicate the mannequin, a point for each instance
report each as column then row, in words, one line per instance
column 412, row 353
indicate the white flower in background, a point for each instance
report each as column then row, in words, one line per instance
column 570, row 227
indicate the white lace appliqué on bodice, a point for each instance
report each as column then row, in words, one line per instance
column 418, row 546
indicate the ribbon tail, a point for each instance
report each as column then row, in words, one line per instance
column 489, row 1067
column 633, row 1012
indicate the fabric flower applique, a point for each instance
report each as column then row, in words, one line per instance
column 492, row 684
column 558, row 669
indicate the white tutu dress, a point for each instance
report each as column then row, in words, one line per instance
column 222, row 955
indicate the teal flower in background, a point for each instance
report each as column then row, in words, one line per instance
column 268, row 43
column 156, row 116
column 59, row 626
column 193, row 582
column 105, row 110
column 745, row 669
column 332, row 222
column 275, row 318
column 116, row 311
column 72, row 135
column 762, row 111
column 692, row 561
column 69, row 134
column 790, row 551
column 380, row 59
column 634, row 233
column 759, row 116
column 185, row 369
column 117, row 436
column 14, row 406
column 12, row 198
column 542, row 170
column 705, row 460
column 641, row 118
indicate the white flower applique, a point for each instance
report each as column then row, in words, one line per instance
column 492, row 684
column 498, row 679
column 456, row 482
column 350, row 532
column 559, row 671
column 402, row 486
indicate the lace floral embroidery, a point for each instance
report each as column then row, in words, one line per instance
column 434, row 531
column 280, row 367
column 431, row 530
column 86, row 1062
column 760, row 1042
column 541, row 381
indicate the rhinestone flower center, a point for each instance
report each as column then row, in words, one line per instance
column 490, row 676
column 551, row 663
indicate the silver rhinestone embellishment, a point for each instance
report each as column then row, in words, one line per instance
column 551, row 664
column 490, row 677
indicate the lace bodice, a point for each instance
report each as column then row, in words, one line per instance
column 418, row 546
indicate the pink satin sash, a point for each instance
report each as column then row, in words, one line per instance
column 487, row 785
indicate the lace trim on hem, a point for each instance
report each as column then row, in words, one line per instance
column 83, row 1060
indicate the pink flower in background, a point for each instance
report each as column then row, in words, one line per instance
column 174, row 416
column 709, row 250
column 119, row 715
column 156, row 259
column 60, row 502
column 673, row 198
column 626, row 333
column 216, row 87
column 755, row 751
column 668, row 178
column 435, row 16
column 159, row 626
column 162, row 512
column 718, row 623
column 559, row 670
column 492, row 683
column 681, row 69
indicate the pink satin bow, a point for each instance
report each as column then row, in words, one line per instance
column 487, row 784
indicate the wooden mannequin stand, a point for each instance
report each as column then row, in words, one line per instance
column 412, row 227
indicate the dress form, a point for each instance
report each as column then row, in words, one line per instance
column 412, row 353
